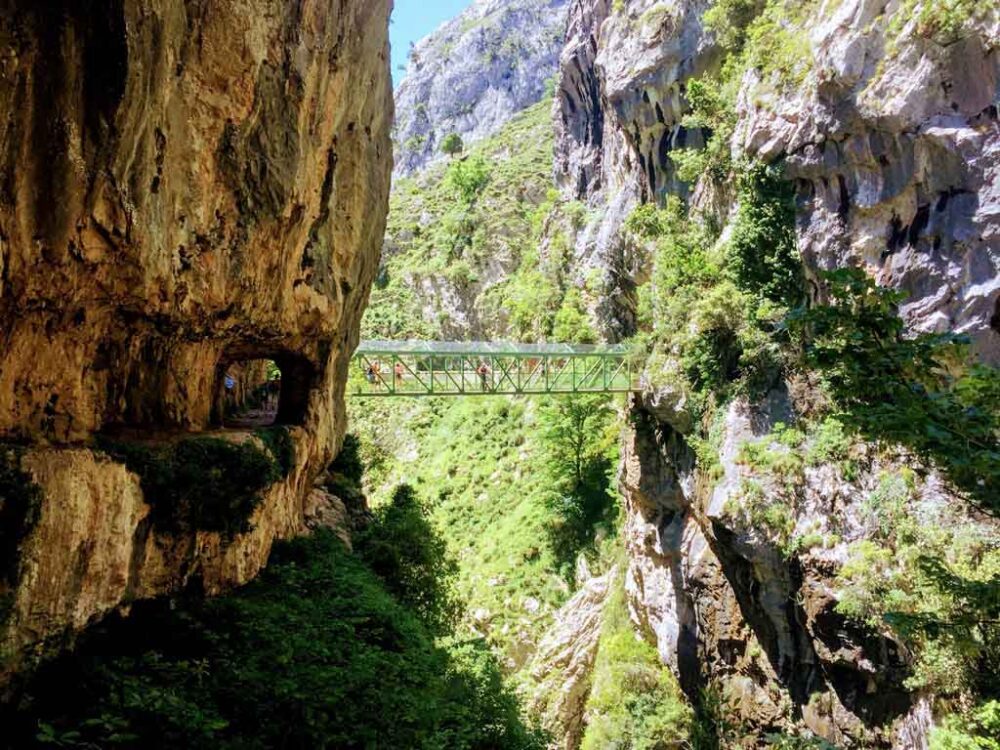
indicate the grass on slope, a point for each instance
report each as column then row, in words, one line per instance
column 484, row 466
column 484, row 235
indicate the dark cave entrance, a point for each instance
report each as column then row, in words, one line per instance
column 258, row 390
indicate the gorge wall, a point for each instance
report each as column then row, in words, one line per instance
column 883, row 116
column 474, row 73
column 184, row 186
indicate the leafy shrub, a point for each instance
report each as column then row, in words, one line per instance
column 913, row 390
column 934, row 579
column 978, row 729
column 313, row 654
column 712, row 111
column 635, row 702
column 467, row 178
column 404, row 549
column 763, row 258
column 729, row 20
column 207, row 484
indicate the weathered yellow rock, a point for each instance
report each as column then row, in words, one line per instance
column 182, row 186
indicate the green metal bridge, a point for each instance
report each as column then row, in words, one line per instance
column 480, row 368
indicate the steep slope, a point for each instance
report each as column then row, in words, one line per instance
column 185, row 187
column 478, row 247
column 474, row 73
column 765, row 484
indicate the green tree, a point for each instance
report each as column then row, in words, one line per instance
column 467, row 178
column 405, row 550
column 580, row 440
column 452, row 144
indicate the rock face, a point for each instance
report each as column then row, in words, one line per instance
column 562, row 664
column 896, row 153
column 184, row 186
column 474, row 73
column 893, row 141
column 727, row 607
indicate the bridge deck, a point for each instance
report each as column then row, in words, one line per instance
column 477, row 368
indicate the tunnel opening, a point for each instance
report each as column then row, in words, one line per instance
column 254, row 391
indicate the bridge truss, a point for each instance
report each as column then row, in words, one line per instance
column 479, row 368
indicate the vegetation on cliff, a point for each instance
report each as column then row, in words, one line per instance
column 727, row 315
column 634, row 701
column 480, row 246
column 204, row 483
column 325, row 649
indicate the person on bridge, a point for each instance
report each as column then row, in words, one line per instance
column 399, row 372
column 370, row 374
column 483, row 371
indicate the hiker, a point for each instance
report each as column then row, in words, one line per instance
column 483, row 371
column 229, row 393
column 399, row 372
column 273, row 392
column 370, row 374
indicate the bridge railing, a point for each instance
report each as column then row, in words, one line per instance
column 427, row 368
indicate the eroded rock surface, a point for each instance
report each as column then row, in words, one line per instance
column 891, row 140
column 184, row 186
column 562, row 664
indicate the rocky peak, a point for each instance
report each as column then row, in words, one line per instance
column 475, row 72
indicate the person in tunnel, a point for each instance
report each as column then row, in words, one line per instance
column 230, row 384
column 273, row 392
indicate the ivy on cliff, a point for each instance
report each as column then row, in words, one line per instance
column 209, row 484
column 710, row 312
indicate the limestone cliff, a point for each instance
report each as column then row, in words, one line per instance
column 474, row 73
column 184, row 186
column 889, row 132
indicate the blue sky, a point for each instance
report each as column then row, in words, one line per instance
column 413, row 20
